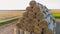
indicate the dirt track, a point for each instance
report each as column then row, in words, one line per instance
column 8, row 29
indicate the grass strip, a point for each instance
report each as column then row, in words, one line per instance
column 7, row 22
column 56, row 15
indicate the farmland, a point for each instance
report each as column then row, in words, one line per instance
column 56, row 13
column 6, row 14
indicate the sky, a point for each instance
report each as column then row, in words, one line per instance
column 22, row 4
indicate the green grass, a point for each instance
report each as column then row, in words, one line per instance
column 4, row 23
column 56, row 15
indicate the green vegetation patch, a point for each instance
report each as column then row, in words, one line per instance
column 56, row 15
column 7, row 22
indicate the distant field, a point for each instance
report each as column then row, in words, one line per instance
column 55, row 11
column 10, row 13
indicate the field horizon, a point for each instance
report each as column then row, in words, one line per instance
column 9, row 13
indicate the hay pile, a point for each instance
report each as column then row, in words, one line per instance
column 33, row 19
